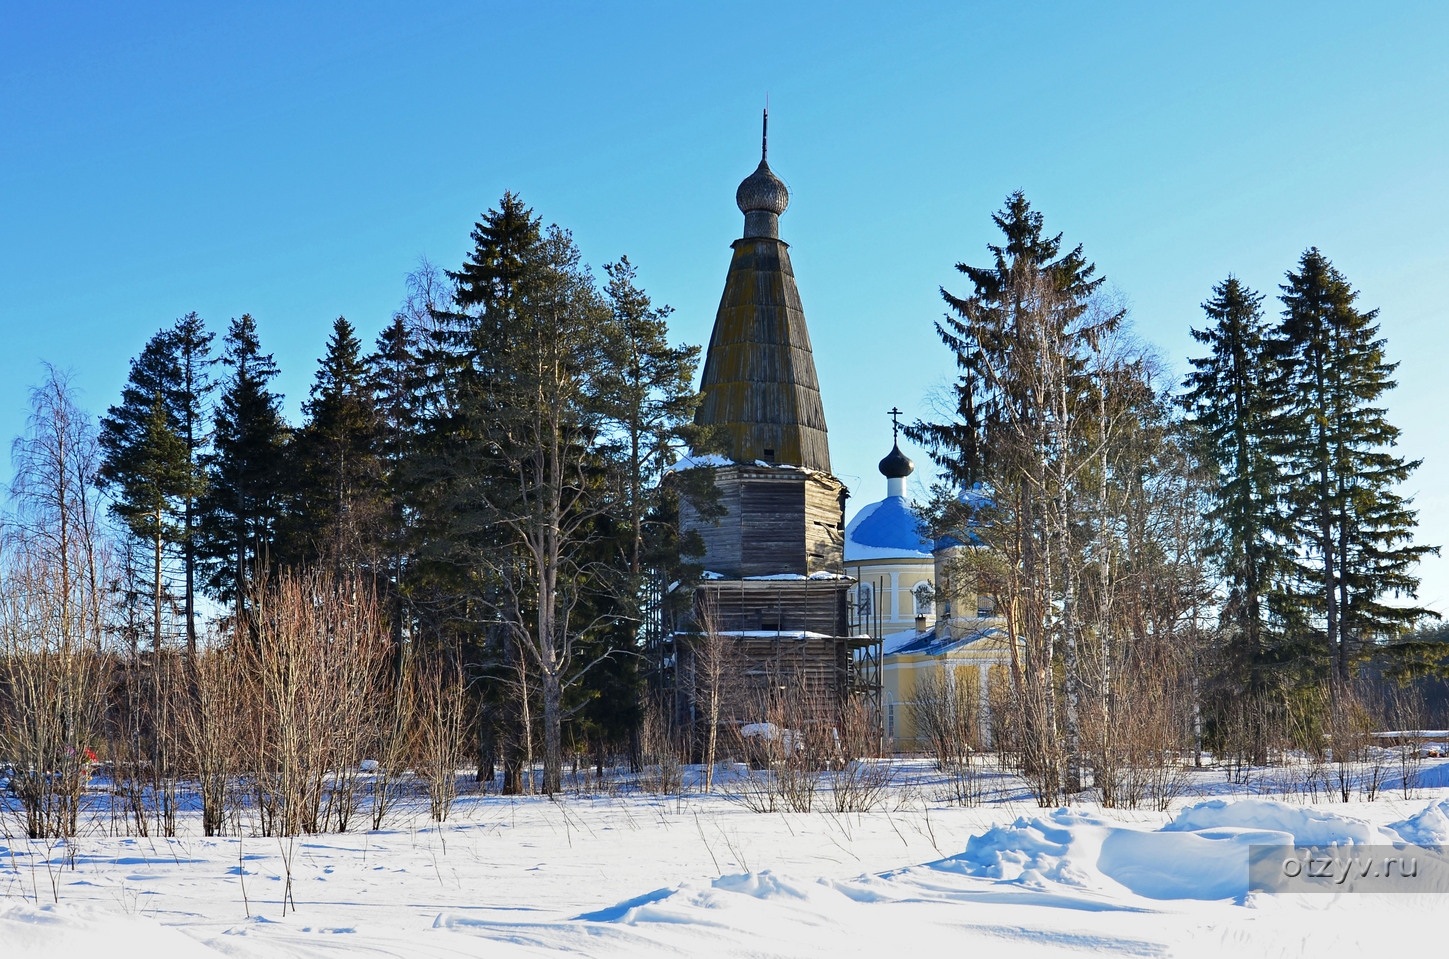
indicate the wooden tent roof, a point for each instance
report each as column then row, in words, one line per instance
column 759, row 378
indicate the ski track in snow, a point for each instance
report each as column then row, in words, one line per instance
column 640, row 876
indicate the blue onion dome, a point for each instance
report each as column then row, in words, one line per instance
column 896, row 465
column 762, row 191
column 888, row 529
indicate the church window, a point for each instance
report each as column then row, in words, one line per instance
column 924, row 596
column 865, row 600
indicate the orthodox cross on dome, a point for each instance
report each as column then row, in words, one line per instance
column 896, row 466
column 765, row 132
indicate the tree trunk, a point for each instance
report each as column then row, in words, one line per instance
column 552, row 735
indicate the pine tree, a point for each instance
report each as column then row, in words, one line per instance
column 1234, row 409
column 243, row 501
column 645, row 389
column 1339, row 469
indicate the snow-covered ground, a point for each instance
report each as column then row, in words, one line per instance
column 632, row 875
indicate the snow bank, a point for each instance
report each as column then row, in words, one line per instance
column 1200, row 854
column 64, row 930
column 727, row 894
column 1276, row 823
column 1428, row 827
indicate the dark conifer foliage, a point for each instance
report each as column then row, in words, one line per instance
column 1235, row 410
column 1355, row 530
column 513, row 456
column 645, row 391
column 394, row 374
column 336, row 489
column 192, row 343
column 980, row 330
column 243, row 503
column 146, row 461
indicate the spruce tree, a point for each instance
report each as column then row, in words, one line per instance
column 335, row 486
column 394, row 373
column 515, row 487
column 146, row 463
column 192, row 342
column 1028, row 425
column 245, row 472
column 1340, row 473
column 984, row 331
column 1234, row 409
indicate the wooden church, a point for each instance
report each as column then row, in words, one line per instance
column 775, row 591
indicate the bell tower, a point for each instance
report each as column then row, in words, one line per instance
column 785, row 511
column 775, row 580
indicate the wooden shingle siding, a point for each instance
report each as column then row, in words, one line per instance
column 812, row 606
column 776, row 521
column 759, row 381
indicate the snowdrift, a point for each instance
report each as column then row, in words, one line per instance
column 1066, row 856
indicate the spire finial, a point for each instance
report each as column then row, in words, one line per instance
column 895, row 424
column 762, row 197
column 765, row 132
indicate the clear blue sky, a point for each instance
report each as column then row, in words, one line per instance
column 295, row 161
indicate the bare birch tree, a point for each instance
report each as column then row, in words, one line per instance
column 54, row 565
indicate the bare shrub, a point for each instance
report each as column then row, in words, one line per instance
column 316, row 668
column 662, row 769
column 1140, row 738
column 1037, row 754
column 793, row 741
column 1244, row 733
column 1408, row 716
column 394, row 721
column 442, row 712
column 210, row 720
column 712, row 664
column 1302, row 740
column 859, row 781
column 948, row 717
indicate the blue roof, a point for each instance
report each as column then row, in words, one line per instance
column 889, row 528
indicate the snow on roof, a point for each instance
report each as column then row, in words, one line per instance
column 691, row 461
column 931, row 643
column 888, row 529
column 818, row 574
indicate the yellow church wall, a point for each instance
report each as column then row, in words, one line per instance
column 902, row 672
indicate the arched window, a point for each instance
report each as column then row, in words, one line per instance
column 925, row 597
column 865, row 600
